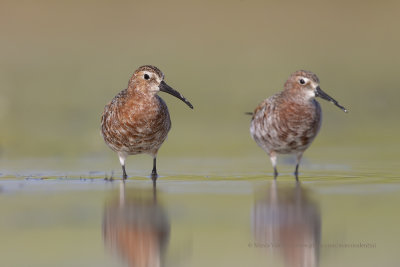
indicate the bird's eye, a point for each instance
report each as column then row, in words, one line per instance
column 302, row 81
column 146, row 76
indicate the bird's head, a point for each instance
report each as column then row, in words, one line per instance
column 148, row 79
column 305, row 84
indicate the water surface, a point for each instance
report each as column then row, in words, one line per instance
column 198, row 220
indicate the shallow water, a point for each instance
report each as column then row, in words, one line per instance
column 342, row 218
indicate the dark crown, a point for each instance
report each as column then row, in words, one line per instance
column 151, row 68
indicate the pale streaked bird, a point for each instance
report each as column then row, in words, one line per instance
column 288, row 122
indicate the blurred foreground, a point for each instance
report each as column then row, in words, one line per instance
column 330, row 221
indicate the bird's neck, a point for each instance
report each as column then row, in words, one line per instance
column 298, row 96
column 143, row 93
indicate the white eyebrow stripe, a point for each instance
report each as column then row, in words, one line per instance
column 148, row 73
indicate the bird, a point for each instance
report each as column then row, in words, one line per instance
column 137, row 120
column 288, row 122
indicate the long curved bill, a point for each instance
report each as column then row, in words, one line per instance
column 168, row 89
column 325, row 96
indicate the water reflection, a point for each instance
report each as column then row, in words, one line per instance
column 287, row 222
column 136, row 227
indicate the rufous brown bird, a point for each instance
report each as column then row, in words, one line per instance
column 137, row 120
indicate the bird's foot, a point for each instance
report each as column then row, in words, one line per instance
column 124, row 175
column 154, row 175
column 296, row 172
column 275, row 173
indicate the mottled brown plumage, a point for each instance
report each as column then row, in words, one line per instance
column 288, row 122
column 137, row 120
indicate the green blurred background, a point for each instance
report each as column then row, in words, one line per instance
column 62, row 61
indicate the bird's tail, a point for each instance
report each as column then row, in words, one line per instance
column 249, row 113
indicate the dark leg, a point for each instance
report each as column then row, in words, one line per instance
column 124, row 176
column 154, row 174
column 275, row 173
column 298, row 159
column 296, row 172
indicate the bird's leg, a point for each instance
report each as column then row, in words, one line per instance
column 122, row 157
column 296, row 172
column 272, row 156
column 298, row 159
column 154, row 174
column 124, row 175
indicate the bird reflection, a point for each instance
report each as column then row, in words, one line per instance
column 286, row 221
column 136, row 227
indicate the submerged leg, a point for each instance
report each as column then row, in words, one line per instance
column 296, row 172
column 298, row 159
column 154, row 174
column 272, row 157
column 124, row 175
column 122, row 157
